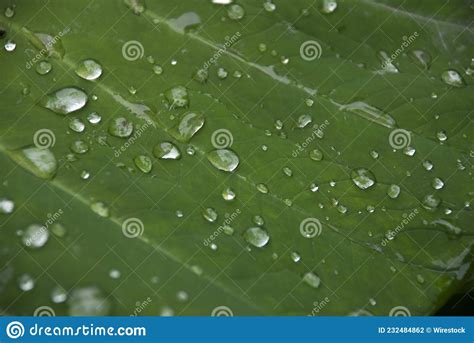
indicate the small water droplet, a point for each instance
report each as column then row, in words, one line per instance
column 58, row 295
column 409, row 151
column 374, row 154
column 189, row 125
column 26, row 282
column 269, row 6
column 262, row 188
column 427, row 165
column 177, row 97
column 314, row 187
column 9, row 12
column 94, row 118
column 422, row 58
column 437, row 183
column 316, row 155
column 79, row 147
column 77, row 125
column 257, row 236
column 100, row 208
column 166, row 151
column 441, row 135
column 228, row 194
column 431, row 202
column 121, row 127
column 88, row 301
column 235, row 12
column 222, row 73
column 43, row 67
column 201, row 75
column 287, row 171
column 363, row 178
column 35, row 236
column 10, row 46
column 452, row 78
column 89, row 70
column 85, row 175
column 295, row 257
column 143, row 163
column 393, row 191
column 210, row 214
column 312, row 279
column 6, row 206
column 157, row 69
column 114, row 274
column 258, row 220
column 304, row 120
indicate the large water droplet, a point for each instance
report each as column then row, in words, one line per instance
column 166, row 151
column 89, row 70
column 235, row 12
column 223, row 159
column 186, row 22
column 210, row 214
column 65, row 101
column 257, row 236
column 437, row 183
column 363, row 178
column 121, row 127
column 88, row 301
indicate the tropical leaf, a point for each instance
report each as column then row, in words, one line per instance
column 189, row 158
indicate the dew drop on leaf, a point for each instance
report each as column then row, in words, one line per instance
column 89, row 70
column 312, row 279
column 177, row 97
column 26, row 282
column 65, row 101
column 235, row 12
column 43, row 67
column 88, row 301
column 316, row 155
column 166, row 151
column 40, row 162
column 6, row 206
column 452, row 78
column 77, row 125
column 79, row 147
column 437, row 183
column 393, row 191
column 189, row 125
column 121, row 127
column 143, row 163
column 100, row 208
column 223, row 159
column 228, row 194
column 363, row 178
column 210, row 214
column 257, row 236
column 35, row 236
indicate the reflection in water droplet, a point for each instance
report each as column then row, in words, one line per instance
column 223, row 159
column 89, row 70
column 166, row 151
column 257, row 236
column 65, row 101
column 363, row 178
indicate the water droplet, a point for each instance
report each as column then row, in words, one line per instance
column 166, row 311
column 85, row 175
column 88, row 301
column 166, row 151
column 157, row 69
column 387, row 63
column 420, row 279
column 189, row 125
column 10, row 46
column 35, row 236
column 58, row 295
column 228, row 230
column 9, row 12
column 262, row 188
column 43, row 67
column 258, row 220
column 437, row 183
column 262, row 47
column 316, row 155
column 201, row 75
column 210, row 214
column 278, row 124
column 427, row 165
column 257, row 236
column 223, row 159
column 452, row 78
column 431, row 202
column 363, row 178
column 269, row 6
column 235, row 12
column 79, row 147
column 26, row 282
column 143, row 163
column 228, row 194
column 369, row 112
column 222, row 73
column 441, row 135
column 409, row 151
column 304, row 120
column 372, row 302
column 114, row 274
column 40, row 162
column 177, row 97
column 100, row 208
column 89, row 70
column 422, row 58
column 314, row 187
column 121, row 127
column 137, row 6
column 374, row 154
column 77, row 125
column 94, row 118
column 6, row 206
column 393, row 191
column 213, row 247
column 182, row 296
column 65, row 101
column 312, row 279
column 295, row 257
column 287, row 171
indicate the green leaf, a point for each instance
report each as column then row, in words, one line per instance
column 285, row 158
